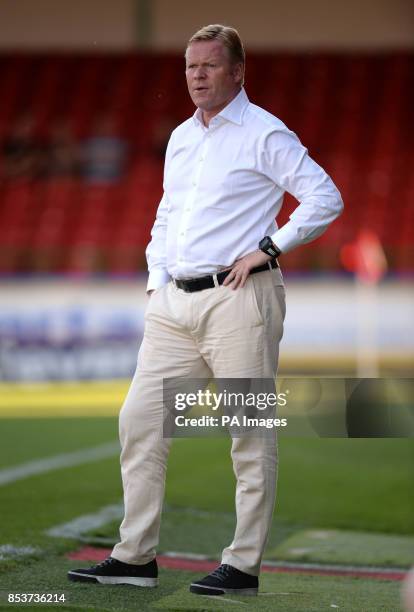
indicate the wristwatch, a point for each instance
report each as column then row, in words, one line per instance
column 267, row 246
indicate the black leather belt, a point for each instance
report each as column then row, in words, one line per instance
column 207, row 282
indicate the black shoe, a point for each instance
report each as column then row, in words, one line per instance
column 112, row 571
column 226, row 579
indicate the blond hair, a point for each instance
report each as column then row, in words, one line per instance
column 227, row 35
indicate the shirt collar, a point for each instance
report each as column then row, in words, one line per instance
column 232, row 112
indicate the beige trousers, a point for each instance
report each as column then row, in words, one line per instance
column 217, row 332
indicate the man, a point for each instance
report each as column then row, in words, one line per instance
column 217, row 300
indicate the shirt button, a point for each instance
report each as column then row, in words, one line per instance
column 194, row 183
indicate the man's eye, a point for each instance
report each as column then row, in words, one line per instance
column 211, row 65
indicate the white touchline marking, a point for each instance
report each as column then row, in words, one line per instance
column 8, row 551
column 221, row 598
column 82, row 524
column 185, row 555
column 56, row 462
column 267, row 594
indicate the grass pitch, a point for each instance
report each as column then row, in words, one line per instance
column 358, row 491
column 290, row 593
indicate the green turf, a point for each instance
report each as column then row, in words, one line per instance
column 345, row 484
column 287, row 592
column 189, row 530
column 31, row 506
column 361, row 485
column 23, row 440
column 338, row 483
column 346, row 547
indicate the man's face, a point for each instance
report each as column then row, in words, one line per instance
column 212, row 79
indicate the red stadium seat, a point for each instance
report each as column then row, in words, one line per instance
column 352, row 111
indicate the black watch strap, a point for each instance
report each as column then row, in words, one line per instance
column 267, row 246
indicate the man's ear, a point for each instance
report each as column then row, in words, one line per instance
column 237, row 71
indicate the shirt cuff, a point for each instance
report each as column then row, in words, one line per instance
column 286, row 238
column 157, row 278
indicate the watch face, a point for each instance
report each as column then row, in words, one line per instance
column 266, row 245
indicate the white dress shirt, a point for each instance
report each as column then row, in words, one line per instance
column 223, row 188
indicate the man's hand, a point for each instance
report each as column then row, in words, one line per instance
column 241, row 268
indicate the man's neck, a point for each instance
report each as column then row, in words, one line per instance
column 207, row 116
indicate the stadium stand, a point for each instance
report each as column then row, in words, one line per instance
column 352, row 111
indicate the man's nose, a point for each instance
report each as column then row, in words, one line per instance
column 199, row 73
